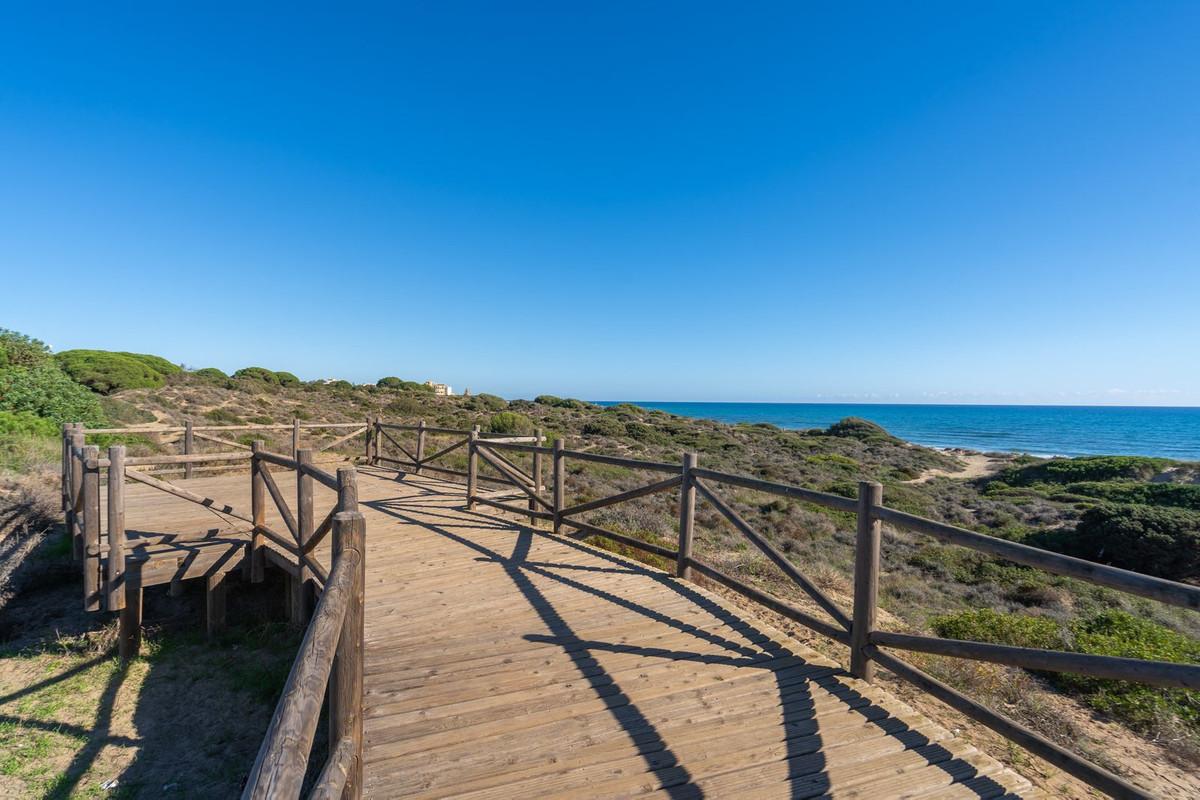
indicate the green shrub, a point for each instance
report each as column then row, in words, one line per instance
column 390, row 382
column 286, row 379
column 156, row 363
column 644, row 433
column 211, row 374
column 604, row 426
column 510, row 422
column 1108, row 633
column 1181, row 495
column 1156, row 540
column 560, row 402
column 25, row 423
column 1118, row 633
column 19, row 350
column 1087, row 468
column 47, row 391
column 490, row 402
column 258, row 374
column 861, row 429
column 107, row 372
column 222, row 415
column 986, row 625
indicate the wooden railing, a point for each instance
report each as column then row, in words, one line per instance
column 105, row 580
column 331, row 656
column 857, row 628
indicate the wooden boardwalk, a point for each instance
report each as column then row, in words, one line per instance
column 505, row 662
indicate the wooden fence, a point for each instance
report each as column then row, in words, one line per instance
column 331, row 652
column 856, row 628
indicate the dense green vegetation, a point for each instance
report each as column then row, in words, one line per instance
column 1110, row 633
column 1087, row 468
column 107, row 372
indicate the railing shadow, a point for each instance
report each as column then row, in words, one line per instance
column 794, row 678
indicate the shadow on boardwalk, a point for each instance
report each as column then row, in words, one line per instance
column 795, row 679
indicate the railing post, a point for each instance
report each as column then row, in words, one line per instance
column 295, row 437
column 75, row 524
column 378, row 428
column 347, row 479
column 304, row 589
column 91, row 530
column 370, row 440
column 258, row 511
column 346, row 680
column 687, row 517
column 537, row 475
column 472, row 467
column 188, row 445
column 420, row 445
column 66, row 471
column 866, row 579
column 560, row 478
column 116, row 527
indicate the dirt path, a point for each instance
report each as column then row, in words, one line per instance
column 975, row 465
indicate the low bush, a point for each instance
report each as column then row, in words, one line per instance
column 156, row 363
column 645, row 433
column 258, row 374
column 560, row 402
column 490, row 402
column 604, row 426
column 986, row 625
column 861, row 429
column 211, row 374
column 25, row 423
column 46, row 391
column 1087, row 468
column 1181, row 495
column 1109, row 633
column 390, row 382
column 1157, row 540
column 107, row 372
column 510, row 422
column 222, row 415
column 286, row 379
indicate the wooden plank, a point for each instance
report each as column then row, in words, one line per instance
column 866, row 579
column 208, row 437
column 617, row 461
column 115, row 560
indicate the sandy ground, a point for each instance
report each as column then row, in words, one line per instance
column 975, row 465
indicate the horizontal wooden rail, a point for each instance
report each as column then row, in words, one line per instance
column 212, row 428
column 1060, row 757
column 617, row 461
column 1165, row 591
column 632, row 494
column 332, row 780
column 184, row 494
column 218, row 440
column 808, row 495
column 1152, row 673
column 320, row 476
column 519, row 448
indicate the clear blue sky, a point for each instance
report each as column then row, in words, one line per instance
column 921, row 202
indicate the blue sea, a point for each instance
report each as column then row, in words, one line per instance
column 1039, row 430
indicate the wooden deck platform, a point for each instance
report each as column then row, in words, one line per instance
column 505, row 662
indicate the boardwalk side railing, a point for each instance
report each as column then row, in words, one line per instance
column 331, row 654
column 857, row 627
column 330, row 657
